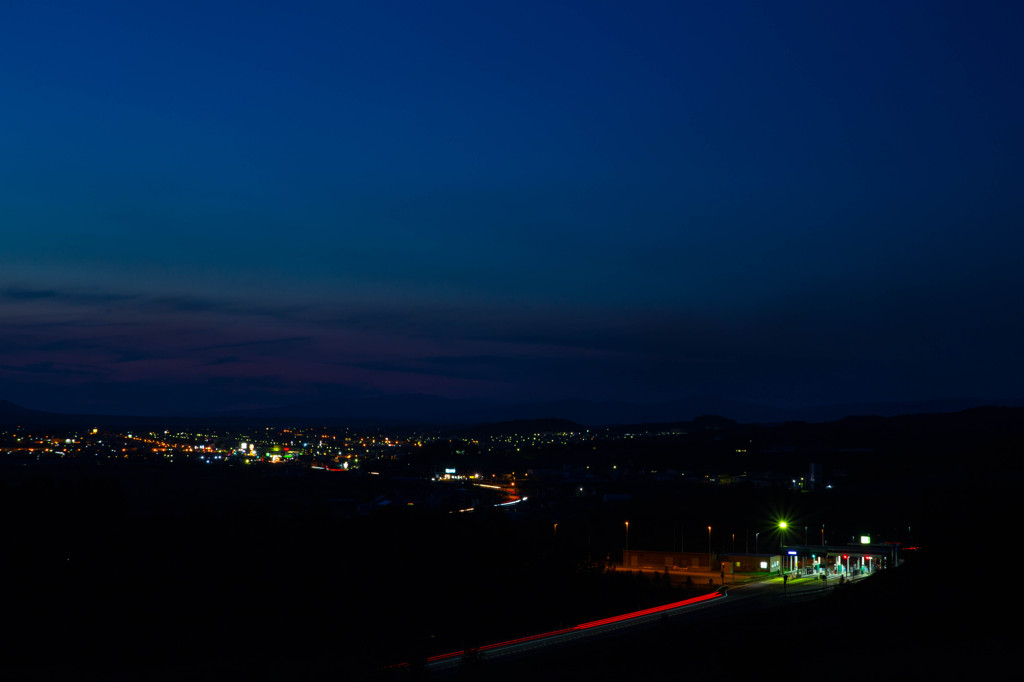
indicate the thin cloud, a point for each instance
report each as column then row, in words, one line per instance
column 57, row 369
column 146, row 303
column 226, row 360
column 19, row 294
column 289, row 340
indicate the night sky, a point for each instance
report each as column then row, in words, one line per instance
column 222, row 205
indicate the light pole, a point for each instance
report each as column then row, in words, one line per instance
column 709, row 548
column 782, row 536
column 627, row 536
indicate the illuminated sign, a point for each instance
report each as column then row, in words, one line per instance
column 449, row 471
column 791, row 552
column 865, row 539
column 764, row 564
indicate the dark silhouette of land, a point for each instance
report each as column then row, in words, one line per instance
column 150, row 570
column 418, row 409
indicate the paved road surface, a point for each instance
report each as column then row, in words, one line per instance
column 746, row 597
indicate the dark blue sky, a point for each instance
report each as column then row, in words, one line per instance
column 235, row 204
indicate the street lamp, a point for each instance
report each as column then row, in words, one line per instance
column 757, row 534
column 627, row 536
column 709, row 548
column 782, row 535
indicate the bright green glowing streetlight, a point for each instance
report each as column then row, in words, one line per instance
column 782, row 538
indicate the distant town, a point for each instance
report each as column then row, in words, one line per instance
column 536, row 455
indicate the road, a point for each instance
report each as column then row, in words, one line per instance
column 593, row 629
column 748, row 597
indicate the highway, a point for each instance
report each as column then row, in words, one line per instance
column 746, row 597
column 598, row 628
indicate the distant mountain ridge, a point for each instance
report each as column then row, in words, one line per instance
column 9, row 409
column 419, row 408
column 423, row 409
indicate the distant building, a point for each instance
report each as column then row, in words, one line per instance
column 750, row 563
column 648, row 560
